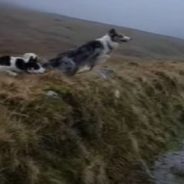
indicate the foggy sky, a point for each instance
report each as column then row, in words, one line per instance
column 159, row 16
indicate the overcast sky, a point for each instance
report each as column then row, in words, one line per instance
column 159, row 16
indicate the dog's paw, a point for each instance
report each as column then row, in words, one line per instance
column 14, row 74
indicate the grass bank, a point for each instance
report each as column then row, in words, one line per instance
column 94, row 131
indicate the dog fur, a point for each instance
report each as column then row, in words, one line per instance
column 87, row 56
column 29, row 63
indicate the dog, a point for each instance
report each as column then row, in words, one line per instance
column 28, row 63
column 87, row 56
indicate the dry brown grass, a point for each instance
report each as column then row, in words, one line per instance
column 97, row 131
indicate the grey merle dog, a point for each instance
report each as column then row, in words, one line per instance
column 88, row 55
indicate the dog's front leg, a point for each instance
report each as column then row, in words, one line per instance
column 103, row 59
column 84, row 69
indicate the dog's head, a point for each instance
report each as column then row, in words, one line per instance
column 32, row 63
column 117, row 37
column 34, row 67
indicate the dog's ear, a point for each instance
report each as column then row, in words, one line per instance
column 33, row 59
column 112, row 32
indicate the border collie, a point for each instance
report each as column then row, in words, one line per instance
column 85, row 57
column 29, row 63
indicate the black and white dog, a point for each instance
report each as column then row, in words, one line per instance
column 29, row 63
column 88, row 55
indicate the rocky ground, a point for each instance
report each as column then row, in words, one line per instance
column 169, row 169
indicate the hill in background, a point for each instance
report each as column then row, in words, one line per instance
column 47, row 34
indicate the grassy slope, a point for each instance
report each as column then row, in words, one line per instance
column 97, row 131
column 89, row 134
